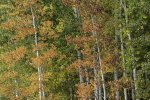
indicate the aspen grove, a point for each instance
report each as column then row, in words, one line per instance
column 74, row 49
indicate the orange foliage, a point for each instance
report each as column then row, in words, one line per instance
column 23, row 32
column 9, row 74
column 11, row 58
column 37, row 61
column 87, row 26
column 119, row 84
column 8, row 24
column 88, row 63
column 84, row 91
column 50, row 54
column 6, row 89
column 46, row 28
column 40, row 46
column 25, row 3
column 40, row 60
column 75, row 64
column 108, row 63
column 79, row 41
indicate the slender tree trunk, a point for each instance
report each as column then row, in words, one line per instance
column 123, row 56
column 76, row 12
column 117, row 94
column 87, row 79
column 78, row 52
column 124, row 69
column 16, row 91
column 132, row 54
column 87, row 76
column 95, row 84
column 80, row 69
column 97, row 81
column 123, row 64
column 71, row 93
column 41, row 90
column 100, row 92
column 103, row 84
column 95, row 70
column 133, row 64
column 99, row 59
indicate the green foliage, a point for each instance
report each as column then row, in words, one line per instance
column 60, row 35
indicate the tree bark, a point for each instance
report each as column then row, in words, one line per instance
column 16, row 91
column 99, row 60
column 117, row 94
column 87, row 76
column 41, row 90
column 131, row 52
column 123, row 64
column 87, row 79
column 80, row 69
column 95, row 84
column 123, row 55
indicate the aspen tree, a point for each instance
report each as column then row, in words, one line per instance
column 98, row 60
column 123, row 5
column 117, row 94
column 41, row 91
column 41, row 60
column 123, row 55
column 98, row 67
column 83, row 62
column 74, row 49
column 116, row 69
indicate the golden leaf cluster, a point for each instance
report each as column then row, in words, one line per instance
column 79, row 41
column 108, row 63
column 6, row 89
column 68, row 2
column 9, row 74
column 25, row 3
column 87, row 26
column 75, row 64
column 84, row 91
column 8, row 24
column 88, row 63
column 40, row 46
column 23, row 32
column 11, row 58
column 40, row 60
column 45, row 28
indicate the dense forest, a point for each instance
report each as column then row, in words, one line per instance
column 74, row 49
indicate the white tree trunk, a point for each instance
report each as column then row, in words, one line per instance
column 123, row 55
column 41, row 90
column 117, row 94
column 71, row 93
column 87, row 79
column 16, row 91
column 95, row 84
column 87, row 76
column 131, row 52
column 80, row 69
column 76, row 13
column 99, row 59
column 123, row 64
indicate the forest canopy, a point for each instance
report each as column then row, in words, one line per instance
column 74, row 49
